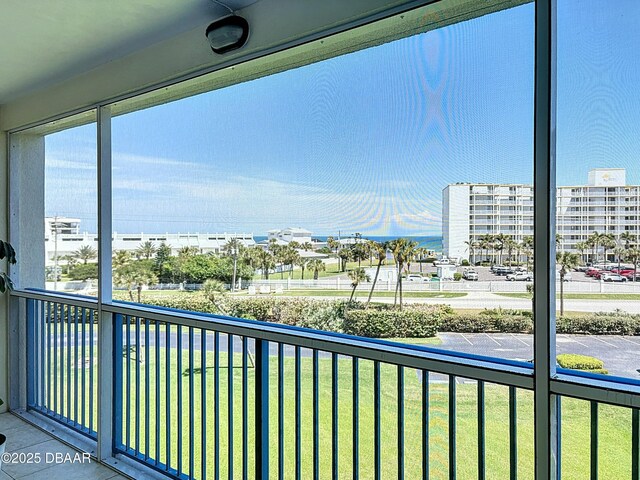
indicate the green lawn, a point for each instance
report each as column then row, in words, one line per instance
column 614, row 426
column 363, row 294
column 582, row 296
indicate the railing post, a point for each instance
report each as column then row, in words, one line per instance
column 262, row 409
column 17, row 349
column 32, row 344
column 117, row 381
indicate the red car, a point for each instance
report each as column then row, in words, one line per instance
column 629, row 275
column 599, row 273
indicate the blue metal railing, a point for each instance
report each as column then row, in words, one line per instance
column 61, row 359
column 314, row 424
column 200, row 396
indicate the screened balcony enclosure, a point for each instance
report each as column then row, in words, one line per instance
column 356, row 247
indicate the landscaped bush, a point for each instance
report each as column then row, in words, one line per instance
column 486, row 323
column 392, row 323
column 581, row 362
column 457, row 276
column 600, row 324
column 464, row 262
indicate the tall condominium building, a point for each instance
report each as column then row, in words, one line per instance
column 606, row 204
column 473, row 210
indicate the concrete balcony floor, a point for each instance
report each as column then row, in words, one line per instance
column 56, row 458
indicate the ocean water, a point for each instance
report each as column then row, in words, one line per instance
column 430, row 242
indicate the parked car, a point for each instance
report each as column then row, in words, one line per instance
column 629, row 276
column 520, row 276
column 502, row 271
column 470, row 275
column 416, row 277
column 613, row 277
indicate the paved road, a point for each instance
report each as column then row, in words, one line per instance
column 480, row 300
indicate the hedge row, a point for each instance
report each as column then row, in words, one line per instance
column 392, row 323
column 414, row 320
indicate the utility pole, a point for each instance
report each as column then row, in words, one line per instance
column 234, row 253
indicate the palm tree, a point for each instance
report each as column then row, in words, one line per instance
column 619, row 252
column 380, row 250
column 581, row 247
column 233, row 247
column 511, row 245
column 403, row 251
column 471, row 245
column 135, row 275
column 306, row 246
column 594, row 242
column 120, row 259
column 265, row 260
column 566, row 261
column 333, row 244
column 420, row 255
column 302, row 263
column 278, row 254
column 316, row 265
column 188, row 252
column 498, row 244
column 358, row 252
column 608, row 242
column 146, row 250
column 627, row 239
column 633, row 255
column 527, row 247
column 357, row 275
column 345, row 255
column 71, row 261
column 86, row 253
column 213, row 290
column 486, row 242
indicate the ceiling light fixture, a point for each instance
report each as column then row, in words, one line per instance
column 228, row 33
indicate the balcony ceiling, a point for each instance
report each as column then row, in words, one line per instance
column 47, row 42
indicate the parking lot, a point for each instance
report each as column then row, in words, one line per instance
column 620, row 354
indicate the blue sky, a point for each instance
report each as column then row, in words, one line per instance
column 366, row 142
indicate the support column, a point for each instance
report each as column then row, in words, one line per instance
column 544, row 303
column 107, row 337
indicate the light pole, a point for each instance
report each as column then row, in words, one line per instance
column 55, row 253
column 234, row 253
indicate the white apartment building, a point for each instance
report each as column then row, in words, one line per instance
column 67, row 239
column 291, row 234
column 472, row 210
column 606, row 204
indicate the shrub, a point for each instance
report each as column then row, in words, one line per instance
column 457, row 276
column 392, row 323
column 84, row 271
column 485, row 322
column 579, row 362
column 464, row 262
column 599, row 324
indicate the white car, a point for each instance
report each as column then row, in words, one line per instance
column 416, row 277
column 612, row 277
column 520, row 276
column 470, row 275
